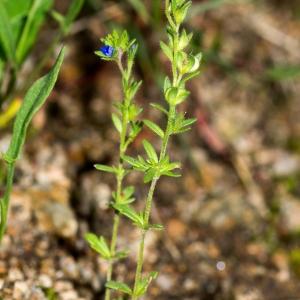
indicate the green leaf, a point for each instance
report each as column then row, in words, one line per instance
column 141, row 9
column 121, row 254
column 167, row 84
column 6, row 35
column 16, row 8
column 143, row 284
column 72, row 13
column 189, row 122
column 126, row 196
column 149, row 175
column 119, row 286
column 117, row 122
column 130, row 213
column 156, row 227
column 98, row 244
column 155, row 128
column 170, row 174
column 105, row 168
column 34, row 20
column 167, row 51
column 133, row 88
column 201, row 8
column 159, row 107
column 281, row 73
column 58, row 17
column 33, row 100
column 138, row 164
column 128, row 191
column 150, row 151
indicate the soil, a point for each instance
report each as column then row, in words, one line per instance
column 232, row 221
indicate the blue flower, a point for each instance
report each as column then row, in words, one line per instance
column 107, row 50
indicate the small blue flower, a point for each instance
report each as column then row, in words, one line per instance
column 107, row 50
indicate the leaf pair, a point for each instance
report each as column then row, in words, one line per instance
column 180, row 124
column 126, row 196
column 141, row 287
column 100, row 245
column 152, row 166
column 136, row 217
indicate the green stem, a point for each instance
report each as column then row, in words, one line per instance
column 120, row 177
column 112, row 250
column 4, row 202
column 139, row 268
column 147, row 211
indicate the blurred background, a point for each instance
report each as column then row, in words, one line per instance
column 232, row 221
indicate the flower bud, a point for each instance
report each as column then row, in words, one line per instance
column 175, row 95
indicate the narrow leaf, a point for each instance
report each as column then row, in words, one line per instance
column 105, row 168
column 33, row 23
column 159, row 107
column 72, row 13
column 189, row 122
column 155, row 128
column 117, row 122
column 167, row 51
column 149, row 175
column 98, row 244
column 150, row 151
column 143, row 284
column 119, row 286
column 34, row 99
column 130, row 213
column 6, row 35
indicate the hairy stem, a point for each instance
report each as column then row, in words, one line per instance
column 147, row 211
column 120, row 177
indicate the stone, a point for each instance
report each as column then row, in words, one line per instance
column 289, row 214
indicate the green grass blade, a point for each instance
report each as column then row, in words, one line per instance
column 72, row 13
column 6, row 35
column 34, row 20
column 141, row 9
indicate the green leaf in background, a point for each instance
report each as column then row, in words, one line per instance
column 17, row 8
column 65, row 22
column 6, row 35
column 141, row 9
column 72, row 13
column 34, row 99
column 17, row 11
column 280, row 73
column 201, row 8
column 34, row 20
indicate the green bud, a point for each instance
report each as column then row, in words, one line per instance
column 193, row 63
column 175, row 95
column 181, row 11
column 184, row 40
